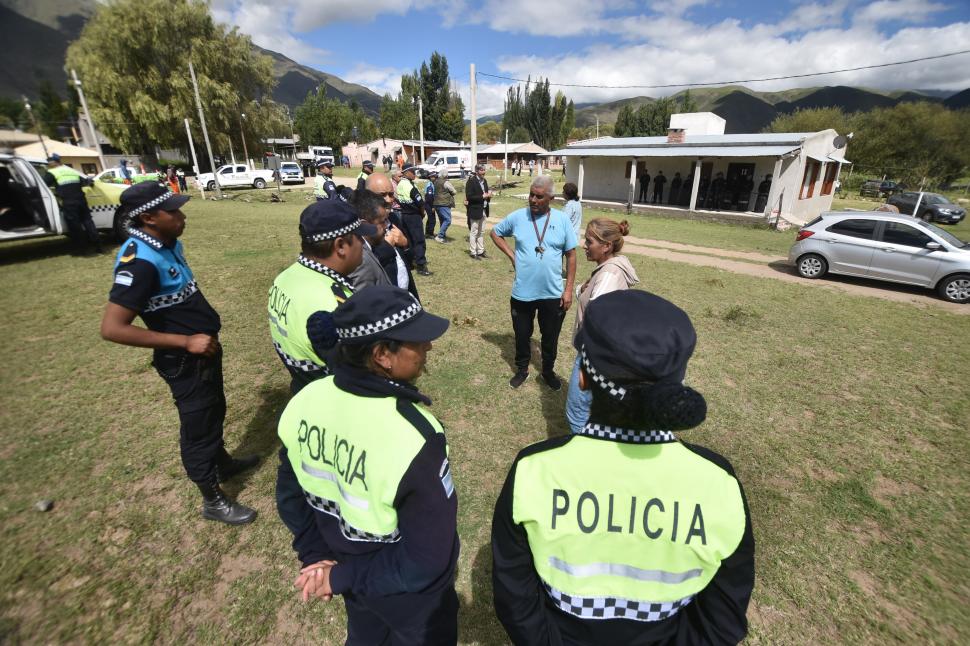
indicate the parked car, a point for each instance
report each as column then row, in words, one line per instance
column 113, row 176
column 932, row 208
column 236, row 175
column 879, row 188
column 291, row 172
column 884, row 246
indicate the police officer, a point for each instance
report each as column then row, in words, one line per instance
column 68, row 185
column 366, row 169
column 375, row 511
column 323, row 186
column 412, row 207
column 152, row 280
column 332, row 248
column 623, row 534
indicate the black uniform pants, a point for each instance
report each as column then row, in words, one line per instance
column 429, row 225
column 550, row 323
column 642, row 197
column 414, row 230
column 196, row 385
column 658, row 191
column 404, row 619
column 80, row 226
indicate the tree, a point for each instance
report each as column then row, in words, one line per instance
column 134, row 65
column 324, row 121
column 443, row 110
column 398, row 119
column 12, row 113
column 534, row 115
column 51, row 112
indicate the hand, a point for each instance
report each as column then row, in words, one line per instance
column 314, row 581
column 203, row 344
column 566, row 300
column 396, row 238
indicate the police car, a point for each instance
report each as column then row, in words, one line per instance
column 28, row 208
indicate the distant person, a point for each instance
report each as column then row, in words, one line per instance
column 477, row 196
column 675, row 184
column 412, row 208
column 124, row 173
column 717, row 190
column 392, row 253
column 68, row 185
column 444, row 202
column 365, row 169
column 644, row 186
column 429, row 205
column 532, row 166
column 764, row 188
column 658, row 187
column 687, row 189
column 573, row 209
column 180, row 174
column 323, row 186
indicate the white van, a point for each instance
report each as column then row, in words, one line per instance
column 450, row 162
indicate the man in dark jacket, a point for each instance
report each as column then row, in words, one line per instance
column 674, row 196
column 644, row 185
column 477, row 196
column 658, row 187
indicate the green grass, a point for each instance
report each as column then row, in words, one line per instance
column 844, row 416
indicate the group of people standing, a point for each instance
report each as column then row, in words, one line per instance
column 733, row 193
column 616, row 533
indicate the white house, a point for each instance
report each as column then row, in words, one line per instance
column 376, row 150
column 496, row 154
column 804, row 168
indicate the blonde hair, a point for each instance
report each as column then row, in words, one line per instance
column 608, row 232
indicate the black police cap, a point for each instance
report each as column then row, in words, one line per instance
column 330, row 219
column 150, row 196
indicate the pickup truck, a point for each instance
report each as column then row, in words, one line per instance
column 236, row 175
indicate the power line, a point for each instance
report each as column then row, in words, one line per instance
column 769, row 78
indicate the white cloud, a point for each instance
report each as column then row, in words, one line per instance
column 383, row 80
column 910, row 11
column 308, row 15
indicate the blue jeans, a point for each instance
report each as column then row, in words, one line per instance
column 444, row 215
column 577, row 401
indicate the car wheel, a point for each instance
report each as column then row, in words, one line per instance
column 259, row 183
column 955, row 289
column 211, row 186
column 812, row 266
column 119, row 226
column 926, row 216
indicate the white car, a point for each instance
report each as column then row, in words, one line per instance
column 291, row 172
column 235, row 175
column 448, row 163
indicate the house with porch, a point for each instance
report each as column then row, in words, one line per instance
column 718, row 172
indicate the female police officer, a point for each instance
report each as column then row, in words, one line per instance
column 622, row 534
column 379, row 521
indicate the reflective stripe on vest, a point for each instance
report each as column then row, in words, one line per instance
column 349, row 454
column 65, row 175
column 296, row 294
column 642, row 527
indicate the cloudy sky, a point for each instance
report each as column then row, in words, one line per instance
column 617, row 42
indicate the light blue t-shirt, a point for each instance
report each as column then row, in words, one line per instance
column 537, row 277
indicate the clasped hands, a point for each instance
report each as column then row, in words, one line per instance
column 314, row 581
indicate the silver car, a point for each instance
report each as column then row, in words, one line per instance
column 884, row 246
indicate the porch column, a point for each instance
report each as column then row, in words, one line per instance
column 633, row 185
column 579, row 178
column 775, row 189
column 695, row 187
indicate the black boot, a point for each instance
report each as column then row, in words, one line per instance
column 227, row 467
column 217, row 506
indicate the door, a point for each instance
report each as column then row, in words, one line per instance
column 850, row 245
column 738, row 185
column 28, row 206
column 902, row 256
column 227, row 176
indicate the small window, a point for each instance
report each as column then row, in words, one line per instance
column 812, row 169
column 240, row 169
column 831, row 170
column 452, row 160
column 854, row 228
column 903, row 234
column 226, row 171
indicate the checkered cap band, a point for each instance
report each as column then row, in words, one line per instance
column 168, row 300
column 103, row 208
column 148, row 206
column 385, row 323
column 615, row 391
column 615, row 607
column 300, row 365
column 150, row 240
column 627, row 434
column 348, row 531
column 326, row 271
column 331, row 235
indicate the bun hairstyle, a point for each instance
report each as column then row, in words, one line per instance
column 660, row 406
column 609, row 232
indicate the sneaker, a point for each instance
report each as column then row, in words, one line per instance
column 552, row 380
column 518, row 379
column 439, row 239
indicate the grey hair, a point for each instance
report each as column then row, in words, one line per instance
column 479, row 167
column 545, row 181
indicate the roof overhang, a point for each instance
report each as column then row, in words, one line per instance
column 678, row 151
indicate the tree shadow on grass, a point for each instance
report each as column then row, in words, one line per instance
column 477, row 623
column 260, row 436
column 54, row 247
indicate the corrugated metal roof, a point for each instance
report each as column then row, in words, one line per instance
column 525, row 147
column 676, row 150
column 751, row 139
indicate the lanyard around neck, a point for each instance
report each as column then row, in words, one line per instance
column 544, row 227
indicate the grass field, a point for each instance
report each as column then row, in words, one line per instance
column 845, row 418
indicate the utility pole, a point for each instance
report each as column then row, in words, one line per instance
column 421, row 125
column 242, row 133
column 505, row 163
column 34, row 122
column 87, row 113
column 195, row 161
column 597, row 127
column 474, row 119
column 205, row 133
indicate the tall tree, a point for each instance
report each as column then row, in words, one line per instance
column 534, row 114
column 321, row 120
column 52, row 112
column 134, row 67
column 443, row 110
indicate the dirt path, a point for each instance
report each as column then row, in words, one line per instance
column 773, row 267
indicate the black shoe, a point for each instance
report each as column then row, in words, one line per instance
column 518, row 379
column 483, row 255
column 554, row 382
column 232, row 467
column 217, row 506
column 423, row 271
column 476, row 257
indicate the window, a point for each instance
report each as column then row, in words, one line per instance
column 831, row 170
column 452, row 160
column 240, row 169
column 903, row 234
column 641, row 168
column 226, row 171
column 812, row 169
column 854, row 228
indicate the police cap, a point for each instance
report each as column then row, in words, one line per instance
column 385, row 312
column 634, row 336
column 330, row 219
column 408, row 167
column 324, row 162
column 150, row 196
column 368, row 164
column 54, row 158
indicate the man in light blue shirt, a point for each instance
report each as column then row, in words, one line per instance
column 542, row 236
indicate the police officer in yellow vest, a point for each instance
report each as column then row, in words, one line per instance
column 68, row 185
column 323, row 186
column 369, row 462
column 366, row 169
column 623, row 534
column 332, row 248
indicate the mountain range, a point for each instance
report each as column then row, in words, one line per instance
column 36, row 35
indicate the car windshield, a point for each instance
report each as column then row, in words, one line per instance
column 933, row 198
column 946, row 235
